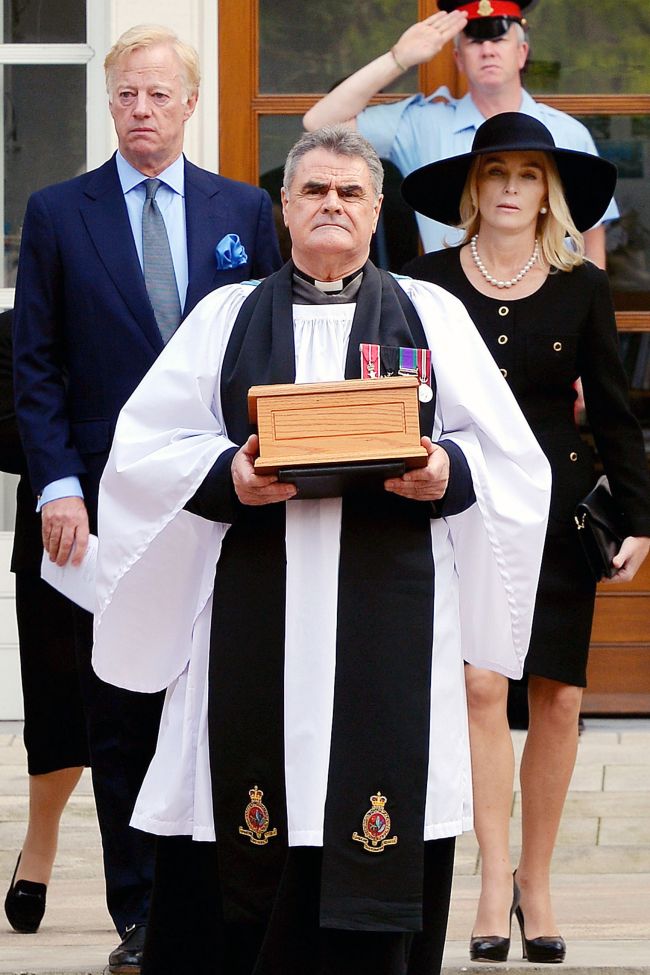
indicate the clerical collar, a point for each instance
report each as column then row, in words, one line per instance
column 330, row 287
column 309, row 291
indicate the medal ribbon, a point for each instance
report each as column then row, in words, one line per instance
column 370, row 368
column 424, row 366
column 408, row 362
column 412, row 362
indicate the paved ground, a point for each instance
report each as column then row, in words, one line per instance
column 602, row 869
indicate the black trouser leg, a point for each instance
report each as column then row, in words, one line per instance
column 122, row 732
column 428, row 945
column 186, row 932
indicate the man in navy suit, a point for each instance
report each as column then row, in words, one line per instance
column 85, row 333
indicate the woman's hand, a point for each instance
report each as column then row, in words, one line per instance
column 629, row 558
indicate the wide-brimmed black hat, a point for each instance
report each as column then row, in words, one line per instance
column 489, row 18
column 435, row 190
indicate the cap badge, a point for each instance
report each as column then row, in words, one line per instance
column 485, row 8
column 376, row 827
column 256, row 817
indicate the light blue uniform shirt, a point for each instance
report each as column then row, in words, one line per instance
column 171, row 203
column 419, row 130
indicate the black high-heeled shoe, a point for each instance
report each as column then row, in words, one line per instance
column 492, row 947
column 551, row 950
column 25, row 904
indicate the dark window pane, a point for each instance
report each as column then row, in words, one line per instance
column 625, row 141
column 635, row 352
column 311, row 47
column 584, row 47
column 44, row 21
column 277, row 134
column 44, row 139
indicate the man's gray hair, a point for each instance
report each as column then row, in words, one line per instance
column 342, row 141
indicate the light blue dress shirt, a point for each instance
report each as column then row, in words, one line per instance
column 418, row 130
column 171, row 202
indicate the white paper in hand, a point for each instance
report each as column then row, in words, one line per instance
column 77, row 582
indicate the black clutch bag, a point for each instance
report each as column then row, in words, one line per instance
column 600, row 529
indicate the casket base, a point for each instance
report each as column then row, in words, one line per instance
column 335, row 480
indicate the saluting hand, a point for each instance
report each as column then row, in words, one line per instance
column 252, row 488
column 424, row 483
column 424, row 40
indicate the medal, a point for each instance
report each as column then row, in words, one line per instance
column 417, row 362
column 377, row 361
column 425, row 392
column 408, row 365
column 370, row 368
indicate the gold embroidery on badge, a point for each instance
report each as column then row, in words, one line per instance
column 376, row 827
column 256, row 817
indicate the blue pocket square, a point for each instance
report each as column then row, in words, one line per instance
column 230, row 252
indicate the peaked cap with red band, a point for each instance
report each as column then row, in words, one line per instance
column 488, row 18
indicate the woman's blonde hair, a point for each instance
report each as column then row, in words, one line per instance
column 552, row 228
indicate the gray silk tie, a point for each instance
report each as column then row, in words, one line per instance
column 159, row 276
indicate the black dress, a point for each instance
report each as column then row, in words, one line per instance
column 55, row 727
column 542, row 344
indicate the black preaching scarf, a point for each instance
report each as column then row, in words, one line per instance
column 380, row 733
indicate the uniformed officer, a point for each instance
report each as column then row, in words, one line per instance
column 490, row 49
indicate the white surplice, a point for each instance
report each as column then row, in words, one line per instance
column 157, row 562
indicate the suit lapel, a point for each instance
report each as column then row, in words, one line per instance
column 106, row 218
column 207, row 220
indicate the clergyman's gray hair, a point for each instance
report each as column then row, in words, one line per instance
column 341, row 140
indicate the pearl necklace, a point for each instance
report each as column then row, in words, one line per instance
column 486, row 274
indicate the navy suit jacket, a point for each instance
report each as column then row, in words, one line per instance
column 84, row 329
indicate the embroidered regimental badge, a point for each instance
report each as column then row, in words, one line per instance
column 376, row 827
column 485, row 8
column 256, row 817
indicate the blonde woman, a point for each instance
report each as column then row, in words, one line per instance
column 546, row 315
